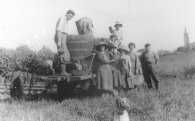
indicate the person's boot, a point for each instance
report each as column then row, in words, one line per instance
column 63, row 70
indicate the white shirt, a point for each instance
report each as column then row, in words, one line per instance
column 119, row 35
column 123, row 117
column 62, row 24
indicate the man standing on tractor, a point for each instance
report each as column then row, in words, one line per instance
column 61, row 38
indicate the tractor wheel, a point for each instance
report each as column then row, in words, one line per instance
column 65, row 90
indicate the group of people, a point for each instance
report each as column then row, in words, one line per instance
column 115, row 65
column 119, row 68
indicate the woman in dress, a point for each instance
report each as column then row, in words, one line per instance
column 103, row 70
column 114, row 54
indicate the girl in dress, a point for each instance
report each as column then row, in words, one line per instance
column 125, row 68
column 117, row 80
column 136, row 65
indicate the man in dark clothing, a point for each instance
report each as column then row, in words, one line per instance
column 149, row 59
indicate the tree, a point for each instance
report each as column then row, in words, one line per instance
column 45, row 53
column 193, row 48
column 24, row 49
column 25, row 59
column 164, row 52
column 182, row 49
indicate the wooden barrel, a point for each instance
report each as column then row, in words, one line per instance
column 79, row 46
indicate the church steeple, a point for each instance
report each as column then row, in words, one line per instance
column 186, row 39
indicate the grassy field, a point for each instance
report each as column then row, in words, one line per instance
column 175, row 101
column 177, row 65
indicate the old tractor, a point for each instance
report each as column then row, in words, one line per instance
column 81, row 49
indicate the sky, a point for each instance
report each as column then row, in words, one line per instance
column 159, row 22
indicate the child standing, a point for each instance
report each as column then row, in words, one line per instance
column 125, row 68
column 117, row 80
column 117, row 32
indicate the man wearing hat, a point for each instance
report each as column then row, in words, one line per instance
column 117, row 32
column 149, row 59
column 60, row 39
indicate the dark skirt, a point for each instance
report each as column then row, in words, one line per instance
column 104, row 78
column 117, row 78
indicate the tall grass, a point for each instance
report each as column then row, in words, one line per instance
column 175, row 101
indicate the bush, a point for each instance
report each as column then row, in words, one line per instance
column 25, row 59
column 182, row 49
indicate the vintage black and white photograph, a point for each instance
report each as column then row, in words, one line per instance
column 97, row 60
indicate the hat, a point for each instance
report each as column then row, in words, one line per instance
column 118, row 23
column 101, row 43
column 71, row 12
column 123, row 48
column 147, row 44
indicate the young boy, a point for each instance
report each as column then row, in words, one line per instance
column 117, row 32
column 114, row 40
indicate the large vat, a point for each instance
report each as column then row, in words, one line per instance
column 80, row 46
column 85, row 26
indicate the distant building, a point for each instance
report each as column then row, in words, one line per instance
column 186, row 40
column 187, row 44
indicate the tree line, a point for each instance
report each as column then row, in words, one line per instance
column 25, row 59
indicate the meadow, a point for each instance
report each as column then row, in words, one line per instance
column 177, row 65
column 174, row 101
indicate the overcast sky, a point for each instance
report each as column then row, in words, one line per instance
column 160, row 22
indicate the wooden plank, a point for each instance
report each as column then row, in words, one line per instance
column 25, row 85
column 26, row 88
column 36, row 92
column 3, row 86
column 38, row 85
column 71, row 78
column 2, row 90
column 52, row 78
column 5, row 83
column 80, row 78
column 37, row 88
column 35, row 84
column 25, row 92
column 7, row 91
